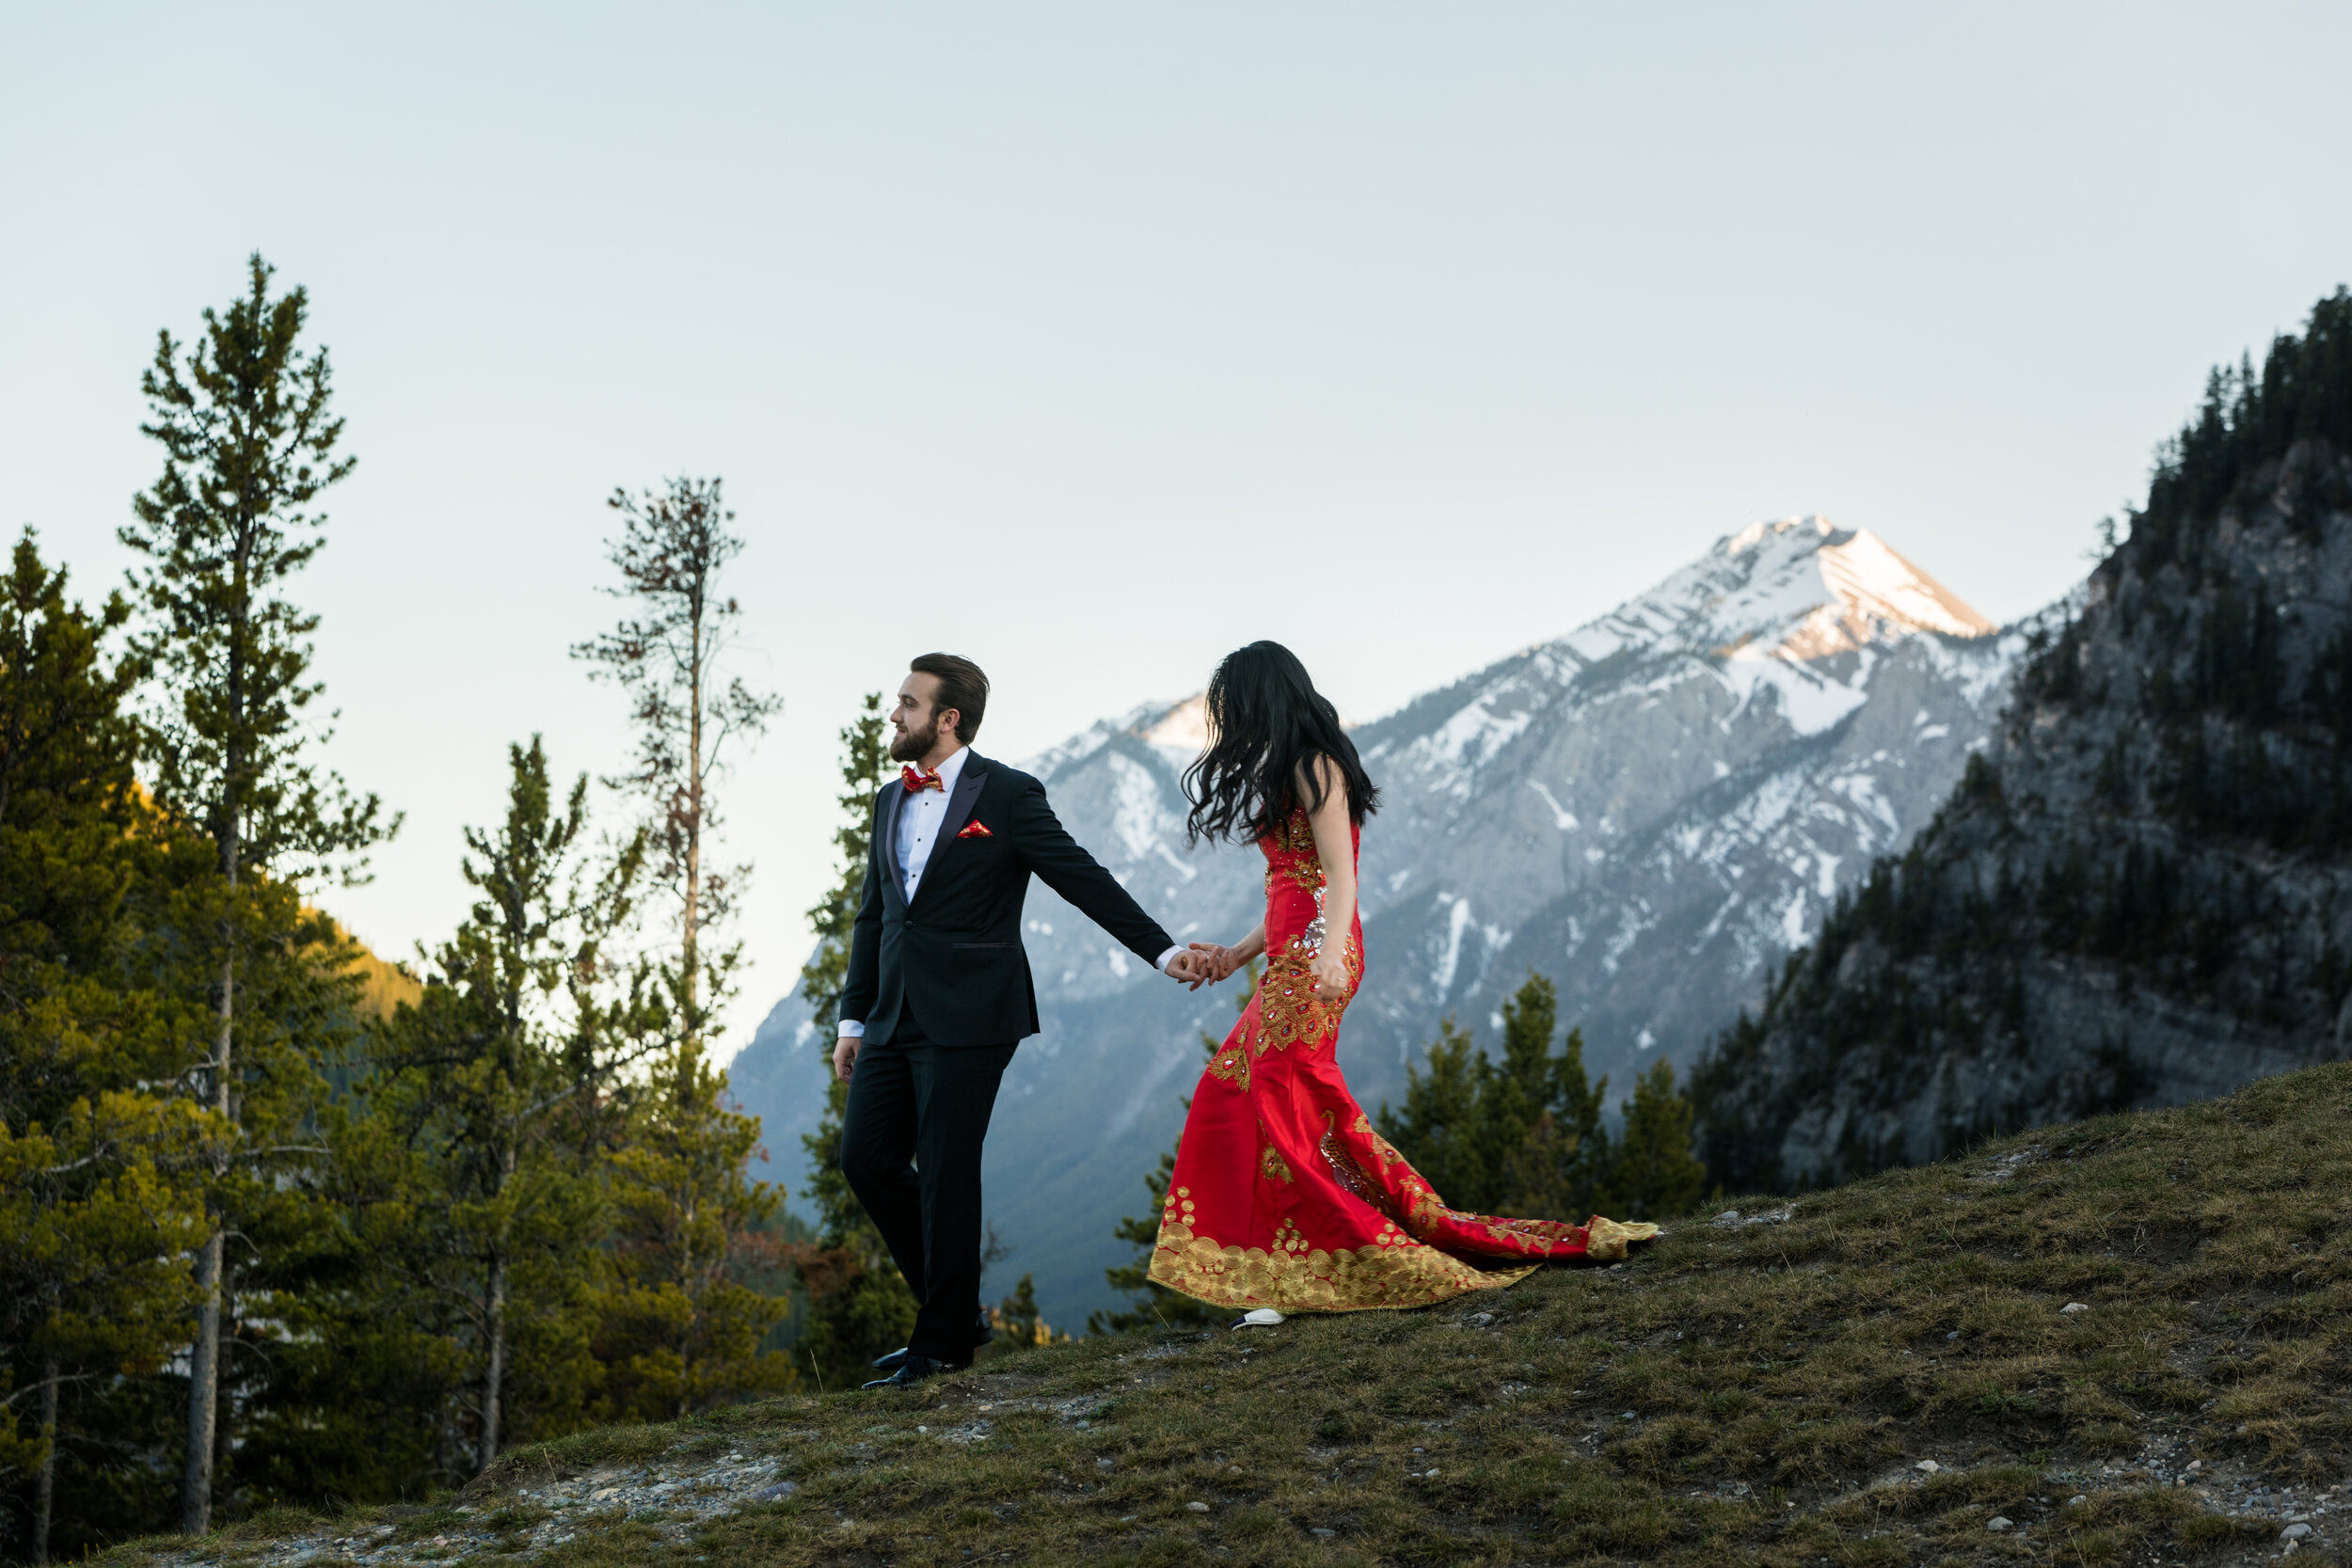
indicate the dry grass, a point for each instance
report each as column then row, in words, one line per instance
column 1758, row 1395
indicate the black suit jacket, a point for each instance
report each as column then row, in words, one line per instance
column 954, row 955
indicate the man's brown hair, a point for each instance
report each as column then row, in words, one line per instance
column 961, row 686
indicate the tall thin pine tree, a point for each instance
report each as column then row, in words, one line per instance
column 249, row 444
column 666, row 654
column 692, row 1216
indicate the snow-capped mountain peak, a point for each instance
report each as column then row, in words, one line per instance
column 1795, row 588
column 1652, row 807
column 1182, row 733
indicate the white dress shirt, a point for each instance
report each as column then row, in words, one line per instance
column 922, row 814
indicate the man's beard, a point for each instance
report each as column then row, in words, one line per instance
column 913, row 744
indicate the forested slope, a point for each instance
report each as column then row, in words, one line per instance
column 2137, row 895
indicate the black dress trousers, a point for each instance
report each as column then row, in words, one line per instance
column 911, row 1146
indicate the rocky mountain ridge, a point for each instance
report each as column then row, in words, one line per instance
column 1655, row 806
column 2141, row 894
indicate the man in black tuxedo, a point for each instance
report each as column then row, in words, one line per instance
column 939, row 991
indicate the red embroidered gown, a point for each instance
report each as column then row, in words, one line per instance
column 1283, row 1195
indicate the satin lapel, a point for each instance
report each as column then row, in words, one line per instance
column 959, row 806
column 893, row 889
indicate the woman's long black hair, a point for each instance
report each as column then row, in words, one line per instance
column 1267, row 724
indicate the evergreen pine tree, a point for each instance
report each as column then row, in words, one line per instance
column 665, row 654
column 359, row 1398
column 683, row 1324
column 101, row 1197
column 301, row 1035
column 1519, row 1091
column 864, row 758
column 1442, row 1128
column 1567, row 1154
column 1018, row 1322
column 1523, row 1136
column 479, row 1083
column 1554, row 1163
column 1655, row 1176
column 249, row 444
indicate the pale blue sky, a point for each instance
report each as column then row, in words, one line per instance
column 1091, row 340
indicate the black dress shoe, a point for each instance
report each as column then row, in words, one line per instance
column 914, row 1370
column 983, row 1328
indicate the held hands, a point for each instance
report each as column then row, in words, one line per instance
column 1186, row 967
column 1217, row 962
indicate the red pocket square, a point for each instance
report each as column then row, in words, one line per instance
column 977, row 829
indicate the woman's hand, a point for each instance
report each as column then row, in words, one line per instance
column 1222, row 961
column 1328, row 970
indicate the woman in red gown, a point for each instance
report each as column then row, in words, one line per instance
column 1284, row 1196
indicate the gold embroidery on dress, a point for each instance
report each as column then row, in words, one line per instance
column 1297, row 835
column 1232, row 1064
column 1427, row 1213
column 1534, row 1235
column 1294, row 839
column 1271, row 1161
column 1178, row 1209
column 1380, row 1145
column 1289, row 1010
column 1293, row 1277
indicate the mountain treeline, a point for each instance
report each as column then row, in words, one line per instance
column 279, row 1224
column 2141, row 892
column 1527, row 1135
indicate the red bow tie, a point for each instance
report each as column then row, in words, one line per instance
column 917, row 782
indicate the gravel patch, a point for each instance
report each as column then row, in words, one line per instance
column 676, row 1494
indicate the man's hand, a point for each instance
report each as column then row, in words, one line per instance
column 845, row 1055
column 1186, row 967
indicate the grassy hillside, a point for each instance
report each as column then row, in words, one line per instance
column 1882, row 1377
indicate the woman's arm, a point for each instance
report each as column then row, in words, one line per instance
column 1336, row 847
